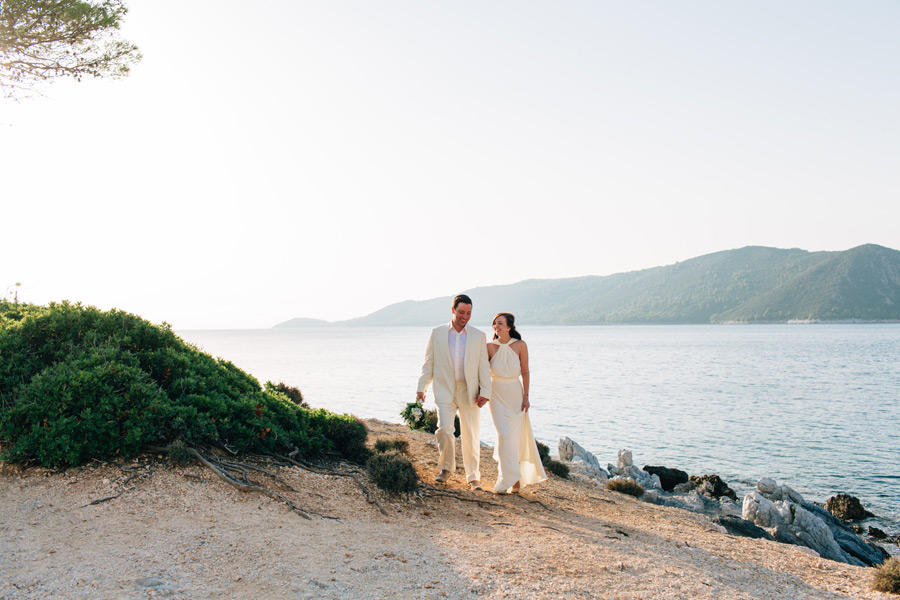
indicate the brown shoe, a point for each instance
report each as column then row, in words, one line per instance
column 442, row 476
column 475, row 485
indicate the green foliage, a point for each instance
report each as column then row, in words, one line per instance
column 393, row 472
column 348, row 435
column 559, row 469
column 625, row 486
column 291, row 393
column 395, row 445
column 78, row 383
column 47, row 39
column 180, row 454
column 887, row 576
column 554, row 466
column 543, row 452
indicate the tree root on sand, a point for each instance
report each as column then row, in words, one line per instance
column 326, row 471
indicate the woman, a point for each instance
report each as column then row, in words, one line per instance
column 516, row 451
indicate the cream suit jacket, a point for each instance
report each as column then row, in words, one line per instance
column 438, row 367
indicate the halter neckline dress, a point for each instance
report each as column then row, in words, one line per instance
column 516, row 451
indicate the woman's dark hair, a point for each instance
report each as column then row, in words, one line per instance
column 461, row 299
column 511, row 321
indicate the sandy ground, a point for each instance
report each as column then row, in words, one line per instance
column 183, row 533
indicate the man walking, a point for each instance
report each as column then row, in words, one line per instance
column 456, row 365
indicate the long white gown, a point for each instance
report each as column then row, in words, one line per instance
column 516, row 450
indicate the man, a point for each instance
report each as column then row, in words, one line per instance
column 456, row 364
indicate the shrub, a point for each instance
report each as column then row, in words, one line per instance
column 395, row 445
column 347, row 435
column 292, row 393
column 543, row 452
column 557, row 468
column 78, row 383
column 393, row 472
column 179, row 454
column 625, row 486
column 887, row 576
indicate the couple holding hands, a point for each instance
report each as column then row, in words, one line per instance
column 467, row 372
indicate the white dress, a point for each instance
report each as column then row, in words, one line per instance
column 516, row 451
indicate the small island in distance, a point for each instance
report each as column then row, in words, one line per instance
column 754, row 284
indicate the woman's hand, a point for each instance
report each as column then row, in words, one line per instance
column 525, row 404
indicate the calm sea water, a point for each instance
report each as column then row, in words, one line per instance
column 813, row 406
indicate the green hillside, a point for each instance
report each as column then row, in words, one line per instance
column 753, row 285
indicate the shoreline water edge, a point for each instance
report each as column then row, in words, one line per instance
column 842, row 530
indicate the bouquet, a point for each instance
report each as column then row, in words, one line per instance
column 417, row 417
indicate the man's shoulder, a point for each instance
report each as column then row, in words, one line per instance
column 475, row 331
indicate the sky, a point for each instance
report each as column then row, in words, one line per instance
column 283, row 159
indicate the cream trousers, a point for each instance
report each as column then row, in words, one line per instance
column 469, row 432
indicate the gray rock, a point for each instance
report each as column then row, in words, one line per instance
column 867, row 554
column 742, row 527
column 766, row 485
column 624, row 459
column 569, row 450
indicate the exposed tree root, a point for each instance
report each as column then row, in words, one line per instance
column 225, row 470
column 249, row 487
column 327, row 471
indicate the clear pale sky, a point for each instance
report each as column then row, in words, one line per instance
column 323, row 159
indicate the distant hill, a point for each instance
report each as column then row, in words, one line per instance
column 301, row 322
column 749, row 285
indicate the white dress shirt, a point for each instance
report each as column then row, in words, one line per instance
column 457, row 341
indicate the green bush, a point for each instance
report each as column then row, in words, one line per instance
column 347, row 435
column 292, row 393
column 179, row 453
column 887, row 576
column 557, row 468
column 625, row 486
column 393, row 472
column 395, row 445
column 78, row 383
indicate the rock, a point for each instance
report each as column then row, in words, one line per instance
column 685, row 488
column 811, row 526
column 668, row 478
column 769, row 488
column 761, row 511
column 876, row 533
column 867, row 554
column 651, row 496
column 846, row 508
column 742, row 527
column 570, row 450
column 713, row 486
column 766, row 485
column 624, row 459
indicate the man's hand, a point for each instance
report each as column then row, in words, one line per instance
column 481, row 401
column 420, row 396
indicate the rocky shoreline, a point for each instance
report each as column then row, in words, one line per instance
column 771, row 511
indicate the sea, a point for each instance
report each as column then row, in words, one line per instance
column 814, row 406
